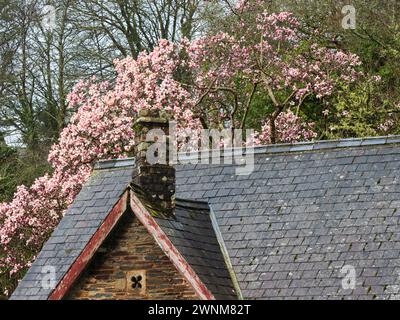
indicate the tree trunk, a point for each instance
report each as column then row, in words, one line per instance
column 272, row 127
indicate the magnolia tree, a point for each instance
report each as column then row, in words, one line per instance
column 202, row 84
column 100, row 129
column 269, row 55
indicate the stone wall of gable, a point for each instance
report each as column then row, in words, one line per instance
column 130, row 251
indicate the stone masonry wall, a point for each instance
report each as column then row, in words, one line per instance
column 130, row 251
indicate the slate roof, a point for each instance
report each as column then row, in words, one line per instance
column 192, row 233
column 289, row 227
column 306, row 211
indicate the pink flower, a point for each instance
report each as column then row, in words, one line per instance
column 290, row 128
column 345, row 113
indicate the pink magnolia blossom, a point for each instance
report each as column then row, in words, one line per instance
column 290, row 128
column 275, row 54
column 388, row 124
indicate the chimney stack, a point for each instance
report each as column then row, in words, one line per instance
column 157, row 181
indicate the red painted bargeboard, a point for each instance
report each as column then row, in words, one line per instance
column 90, row 249
column 169, row 249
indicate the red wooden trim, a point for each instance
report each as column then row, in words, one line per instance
column 94, row 243
column 169, row 249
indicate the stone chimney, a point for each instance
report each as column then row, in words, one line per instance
column 157, row 181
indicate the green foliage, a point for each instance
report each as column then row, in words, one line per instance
column 361, row 112
column 260, row 108
column 17, row 168
column 8, row 158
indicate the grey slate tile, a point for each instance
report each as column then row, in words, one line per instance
column 340, row 206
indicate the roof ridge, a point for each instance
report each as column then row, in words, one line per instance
column 329, row 144
column 114, row 163
column 306, row 146
column 275, row 148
